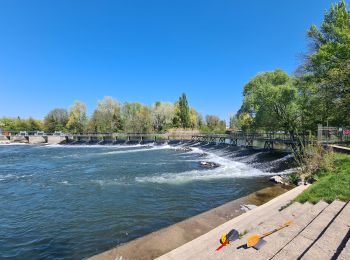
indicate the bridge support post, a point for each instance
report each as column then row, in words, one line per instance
column 249, row 143
column 233, row 142
column 268, row 145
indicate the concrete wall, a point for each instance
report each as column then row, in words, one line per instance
column 19, row 139
column 37, row 139
column 56, row 139
column 3, row 138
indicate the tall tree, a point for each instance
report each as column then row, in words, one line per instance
column 271, row 100
column 328, row 64
column 56, row 120
column 215, row 124
column 162, row 116
column 107, row 116
column 77, row 118
column 183, row 112
column 137, row 118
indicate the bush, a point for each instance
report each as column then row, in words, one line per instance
column 314, row 160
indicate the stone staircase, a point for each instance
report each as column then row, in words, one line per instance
column 318, row 231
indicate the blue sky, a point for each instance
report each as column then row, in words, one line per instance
column 55, row 52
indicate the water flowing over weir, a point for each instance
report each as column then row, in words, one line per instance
column 73, row 201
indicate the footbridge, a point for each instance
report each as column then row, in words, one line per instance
column 234, row 138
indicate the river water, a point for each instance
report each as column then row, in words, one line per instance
column 74, row 201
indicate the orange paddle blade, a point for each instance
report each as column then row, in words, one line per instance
column 253, row 240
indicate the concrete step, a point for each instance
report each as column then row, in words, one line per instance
column 329, row 244
column 279, row 239
column 307, row 230
column 345, row 253
column 204, row 246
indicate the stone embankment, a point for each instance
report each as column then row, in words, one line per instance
column 320, row 231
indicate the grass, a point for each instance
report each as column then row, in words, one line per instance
column 330, row 185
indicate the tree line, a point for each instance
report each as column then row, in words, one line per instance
column 111, row 116
column 317, row 93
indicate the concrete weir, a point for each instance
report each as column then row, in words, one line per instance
column 33, row 139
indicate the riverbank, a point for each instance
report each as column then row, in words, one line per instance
column 332, row 184
column 169, row 238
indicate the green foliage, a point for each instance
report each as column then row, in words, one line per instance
column 328, row 64
column 110, row 116
column 136, row 118
column 271, row 103
column 313, row 160
column 77, row 118
column 56, row 120
column 214, row 124
column 107, row 117
column 19, row 124
column 183, row 112
column 332, row 184
column 162, row 116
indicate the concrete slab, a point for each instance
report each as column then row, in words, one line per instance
column 333, row 236
column 317, row 226
column 204, row 246
column 345, row 254
column 291, row 237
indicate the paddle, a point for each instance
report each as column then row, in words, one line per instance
column 227, row 238
column 257, row 241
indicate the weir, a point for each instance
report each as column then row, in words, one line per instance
column 234, row 139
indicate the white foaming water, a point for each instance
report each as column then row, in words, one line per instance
column 227, row 169
column 145, row 149
column 13, row 144
column 8, row 177
column 118, row 146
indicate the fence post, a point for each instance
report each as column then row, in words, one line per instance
column 319, row 132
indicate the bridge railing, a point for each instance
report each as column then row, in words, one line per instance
column 271, row 136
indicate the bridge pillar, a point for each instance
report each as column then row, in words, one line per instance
column 249, row 142
column 233, row 142
column 268, row 145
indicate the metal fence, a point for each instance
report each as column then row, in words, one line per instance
column 331, row 134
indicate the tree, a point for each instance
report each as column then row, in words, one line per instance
column 77, row 118
column 7, row 124
column 107, row 117
column 328, row 64
column 271, row 101
column 183, row 112
column 194, row 119
column 162, row 116
column 34, row 125
column 214, row 123
column 20, row 124
column 56, row 120
column 234, row 125
column 137, row 118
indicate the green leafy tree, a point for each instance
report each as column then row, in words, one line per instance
column 194, row 119
column 34, row 125
column 8, row 124
column 56, row 120
column 137, row 118
column 182, row 112
column 271, row 100
column 328, row 64
column 107, row 117
column 162, row 116
column 215, row 124
column 77, row 118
